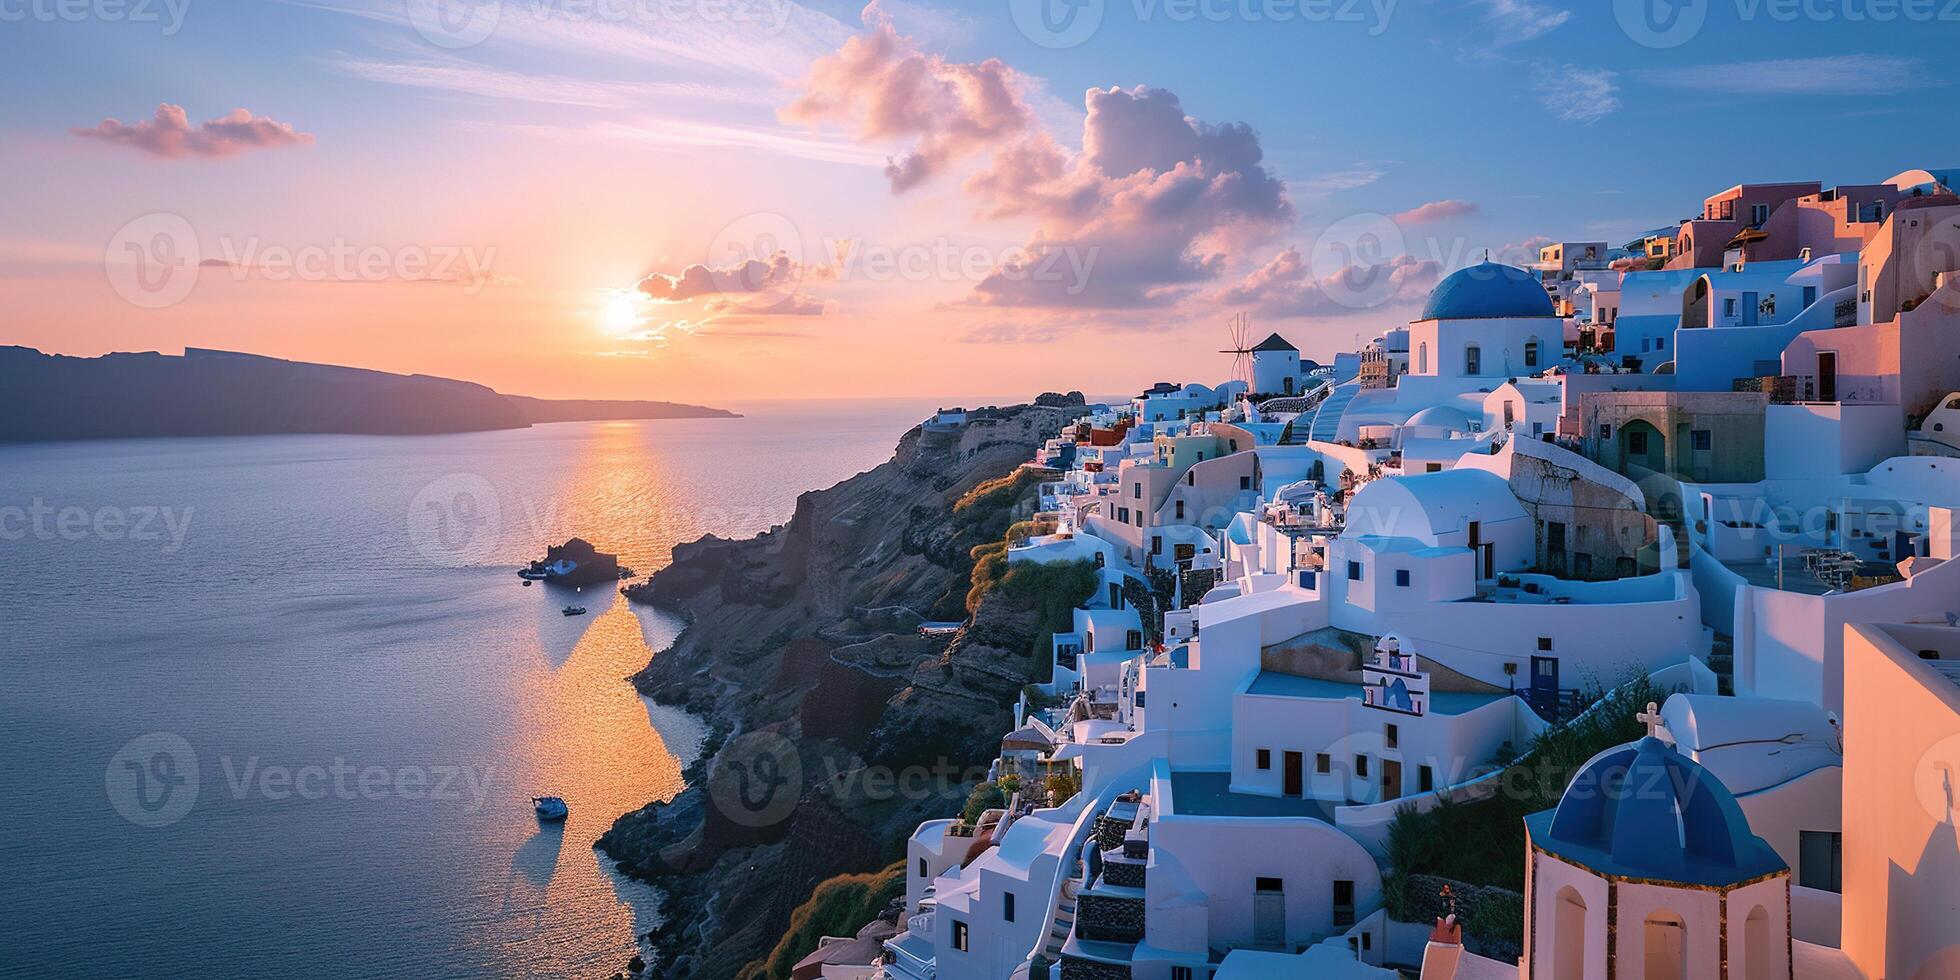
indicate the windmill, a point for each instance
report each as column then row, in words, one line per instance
column 1240, row 332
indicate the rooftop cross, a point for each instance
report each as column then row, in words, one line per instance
column 1651, row 718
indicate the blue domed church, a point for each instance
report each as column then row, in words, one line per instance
column 1486, row 321
column 1647, row 870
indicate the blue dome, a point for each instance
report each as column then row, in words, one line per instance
column 1644, row 810
column 1487, row 291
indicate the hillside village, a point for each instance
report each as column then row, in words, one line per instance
column 1600, row 622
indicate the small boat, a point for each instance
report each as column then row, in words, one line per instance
column 574, row 610
column 549, row 807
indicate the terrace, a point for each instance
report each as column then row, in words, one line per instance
column 1209, row 794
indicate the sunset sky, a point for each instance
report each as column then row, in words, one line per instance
column 557, row 197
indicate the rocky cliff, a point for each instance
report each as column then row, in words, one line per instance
column 838, row 727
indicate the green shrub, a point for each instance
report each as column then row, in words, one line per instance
column 839, row 906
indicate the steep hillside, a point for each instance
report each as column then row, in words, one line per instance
column 838, row 726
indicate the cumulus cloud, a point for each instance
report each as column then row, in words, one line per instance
column 890, row 90
column 1141, row 215
column 171, row 136
column 1436, row 211
column 1287, row 286
column 753, row 286
column 1575, row 94
column 1157, row 199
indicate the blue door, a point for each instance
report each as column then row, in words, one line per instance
column 1544, row 686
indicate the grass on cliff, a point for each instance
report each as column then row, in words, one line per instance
column 1052, row 589
column 990, row 507
column 839, row 906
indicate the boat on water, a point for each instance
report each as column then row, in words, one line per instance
column 550, row 807
column 574, row 610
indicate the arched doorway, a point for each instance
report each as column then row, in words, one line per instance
column 1666, row 945
column 1643, row 449
column 1755, row 945
column 1569, row 953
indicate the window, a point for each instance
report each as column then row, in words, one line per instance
column 1343, row 902
column 1245, row 483
column 1433, row 468
column 1265, row 759
column 1136, row 490
column 922, row 868
column 1354, row 571
column 1660, row 343
column 1007, row 906
column 1191, row 477
column 1422, row 358
column 1180, row 973
column 1605, row 431
column 1728, row 306
column 1402, row 577
column 1820, row 860
column 1133, row 640
column 1361, row 766
column 1392, row 735
column 1544, row 643
column 1473, row 360
column 1268, row 885
column 1157, row 543
column 1140, row 695
column 1425, row 779
column 1703, row 440
column 1758, row 213
column 959, row 935
column 1180, row 510
column 1323, row 763
column 1531, row 353
column 1637, row 443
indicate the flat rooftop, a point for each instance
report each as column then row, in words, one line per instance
column 1273, row 684
column 1209, row 794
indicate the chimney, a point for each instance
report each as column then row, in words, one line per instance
column 1444, row 953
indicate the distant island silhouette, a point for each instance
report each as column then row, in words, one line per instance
column 220, row 393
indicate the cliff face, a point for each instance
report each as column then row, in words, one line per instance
column 838, row 727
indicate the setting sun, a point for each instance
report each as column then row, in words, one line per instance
column 620, row 316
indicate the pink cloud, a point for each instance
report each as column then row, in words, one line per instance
column 1436, row 211
column 1287, row 286
column 880, row 81
column 170, row 134
column 753, row 286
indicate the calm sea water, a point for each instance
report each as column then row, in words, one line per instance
column 277, row 705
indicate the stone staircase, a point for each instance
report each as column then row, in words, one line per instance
column 1327, row 419
column 1064, row 913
